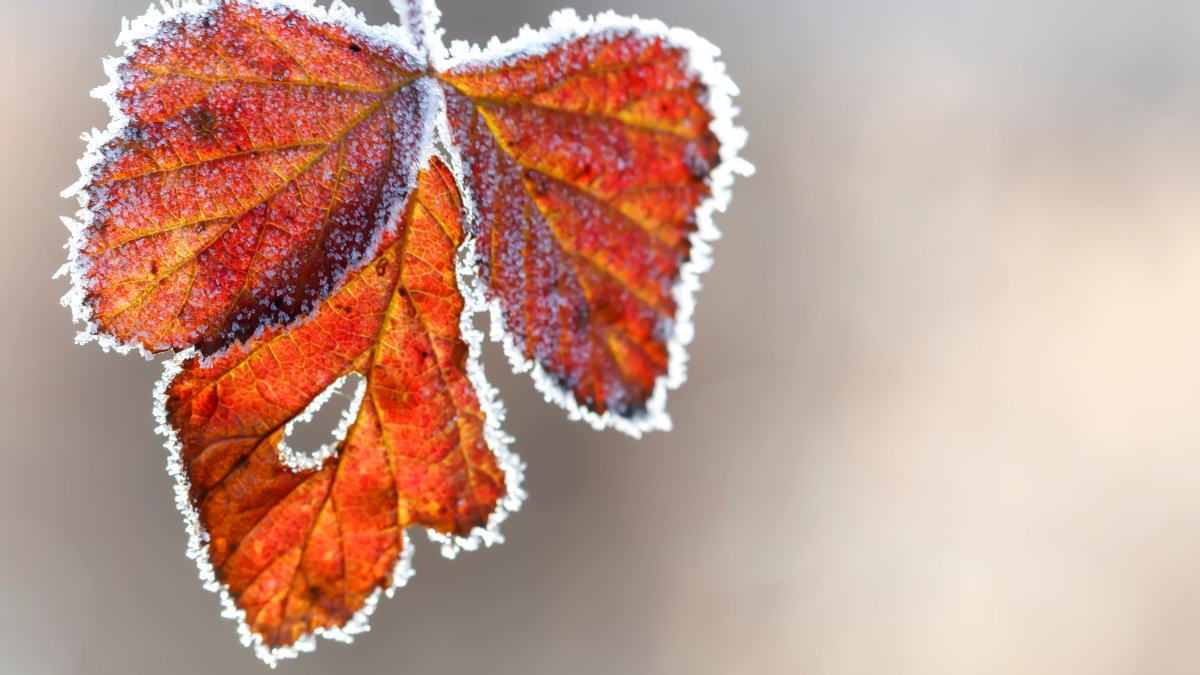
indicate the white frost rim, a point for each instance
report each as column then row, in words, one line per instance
column 705, row 62
column 300, row 461
column 145, row 29
column 493, row 413
column 420, row 21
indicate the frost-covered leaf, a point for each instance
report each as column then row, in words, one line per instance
column 256, row 153
column 255, row 203
column 301, row 549
column 591, row 156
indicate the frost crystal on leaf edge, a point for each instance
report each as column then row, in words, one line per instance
column 300, row 461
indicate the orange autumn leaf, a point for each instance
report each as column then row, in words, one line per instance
column 257, row 206
column 587, row 156
column 257, row 156
column 304, row 549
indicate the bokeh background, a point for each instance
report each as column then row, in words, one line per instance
column 943, row 408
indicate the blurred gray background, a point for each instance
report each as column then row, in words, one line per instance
column 942, row 413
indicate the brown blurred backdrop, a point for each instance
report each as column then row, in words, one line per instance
column 942, row 413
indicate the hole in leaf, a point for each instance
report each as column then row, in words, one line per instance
column 313, row 436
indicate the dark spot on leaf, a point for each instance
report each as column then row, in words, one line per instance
column 458, row 357
column 381, row 267
column 355, row 48
column 697, row 165
column 202, row 121
column 582, row 318
column 624, row 409
column 154, row 267
column 561, row 380
column 606, row 311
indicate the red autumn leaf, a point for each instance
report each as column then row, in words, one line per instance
column 257, row 198
column 589, row 151
column 303, row 550
column 258, row 155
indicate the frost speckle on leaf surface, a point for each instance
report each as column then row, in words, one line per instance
column 254, row 205
column 595, row 153
column 257, row 151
